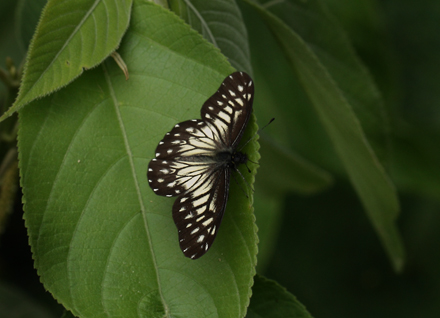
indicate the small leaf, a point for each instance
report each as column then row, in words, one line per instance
column 70, row 37
column 269, row 299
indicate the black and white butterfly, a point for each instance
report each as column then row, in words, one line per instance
column 195, row 159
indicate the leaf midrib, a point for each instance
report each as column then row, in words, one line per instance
column 136, row 183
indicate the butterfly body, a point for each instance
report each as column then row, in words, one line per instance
column 195, row 159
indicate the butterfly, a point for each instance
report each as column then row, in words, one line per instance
column 195, row 159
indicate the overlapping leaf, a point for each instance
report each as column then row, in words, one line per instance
column 220, row 22
column 272, row 300
column 71, row 36
column 316, row 63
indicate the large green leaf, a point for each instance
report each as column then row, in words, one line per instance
column 323, row 81
column 104, row 244
column 71, row 36
column 272, row 300
column 220, row 22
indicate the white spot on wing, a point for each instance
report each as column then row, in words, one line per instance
column 195, row 230
column 232, row 93
column 208, row 221
column 201, row 238
column 240, row 88
column 239, row 101
column 224, row 116
column 228, row 109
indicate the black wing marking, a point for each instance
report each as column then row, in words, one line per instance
column 198, row 213
column 229, row 109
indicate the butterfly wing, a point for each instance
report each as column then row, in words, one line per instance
column 186, row 163
column 229, row 109
column 199, row 212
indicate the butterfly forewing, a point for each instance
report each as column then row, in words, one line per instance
column 175, row 169
column 198, row 213
column 193, row 161
column 229, row 109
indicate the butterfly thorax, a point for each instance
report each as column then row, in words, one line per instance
column 231, row 159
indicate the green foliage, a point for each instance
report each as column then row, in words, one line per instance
column 272, row 300
column 104, row 244
column 65, row 43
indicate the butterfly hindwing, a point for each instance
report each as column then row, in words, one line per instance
column 194, row 161
column 198, row 213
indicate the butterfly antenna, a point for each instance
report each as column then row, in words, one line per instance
column 270, row 121
column 247, row 183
